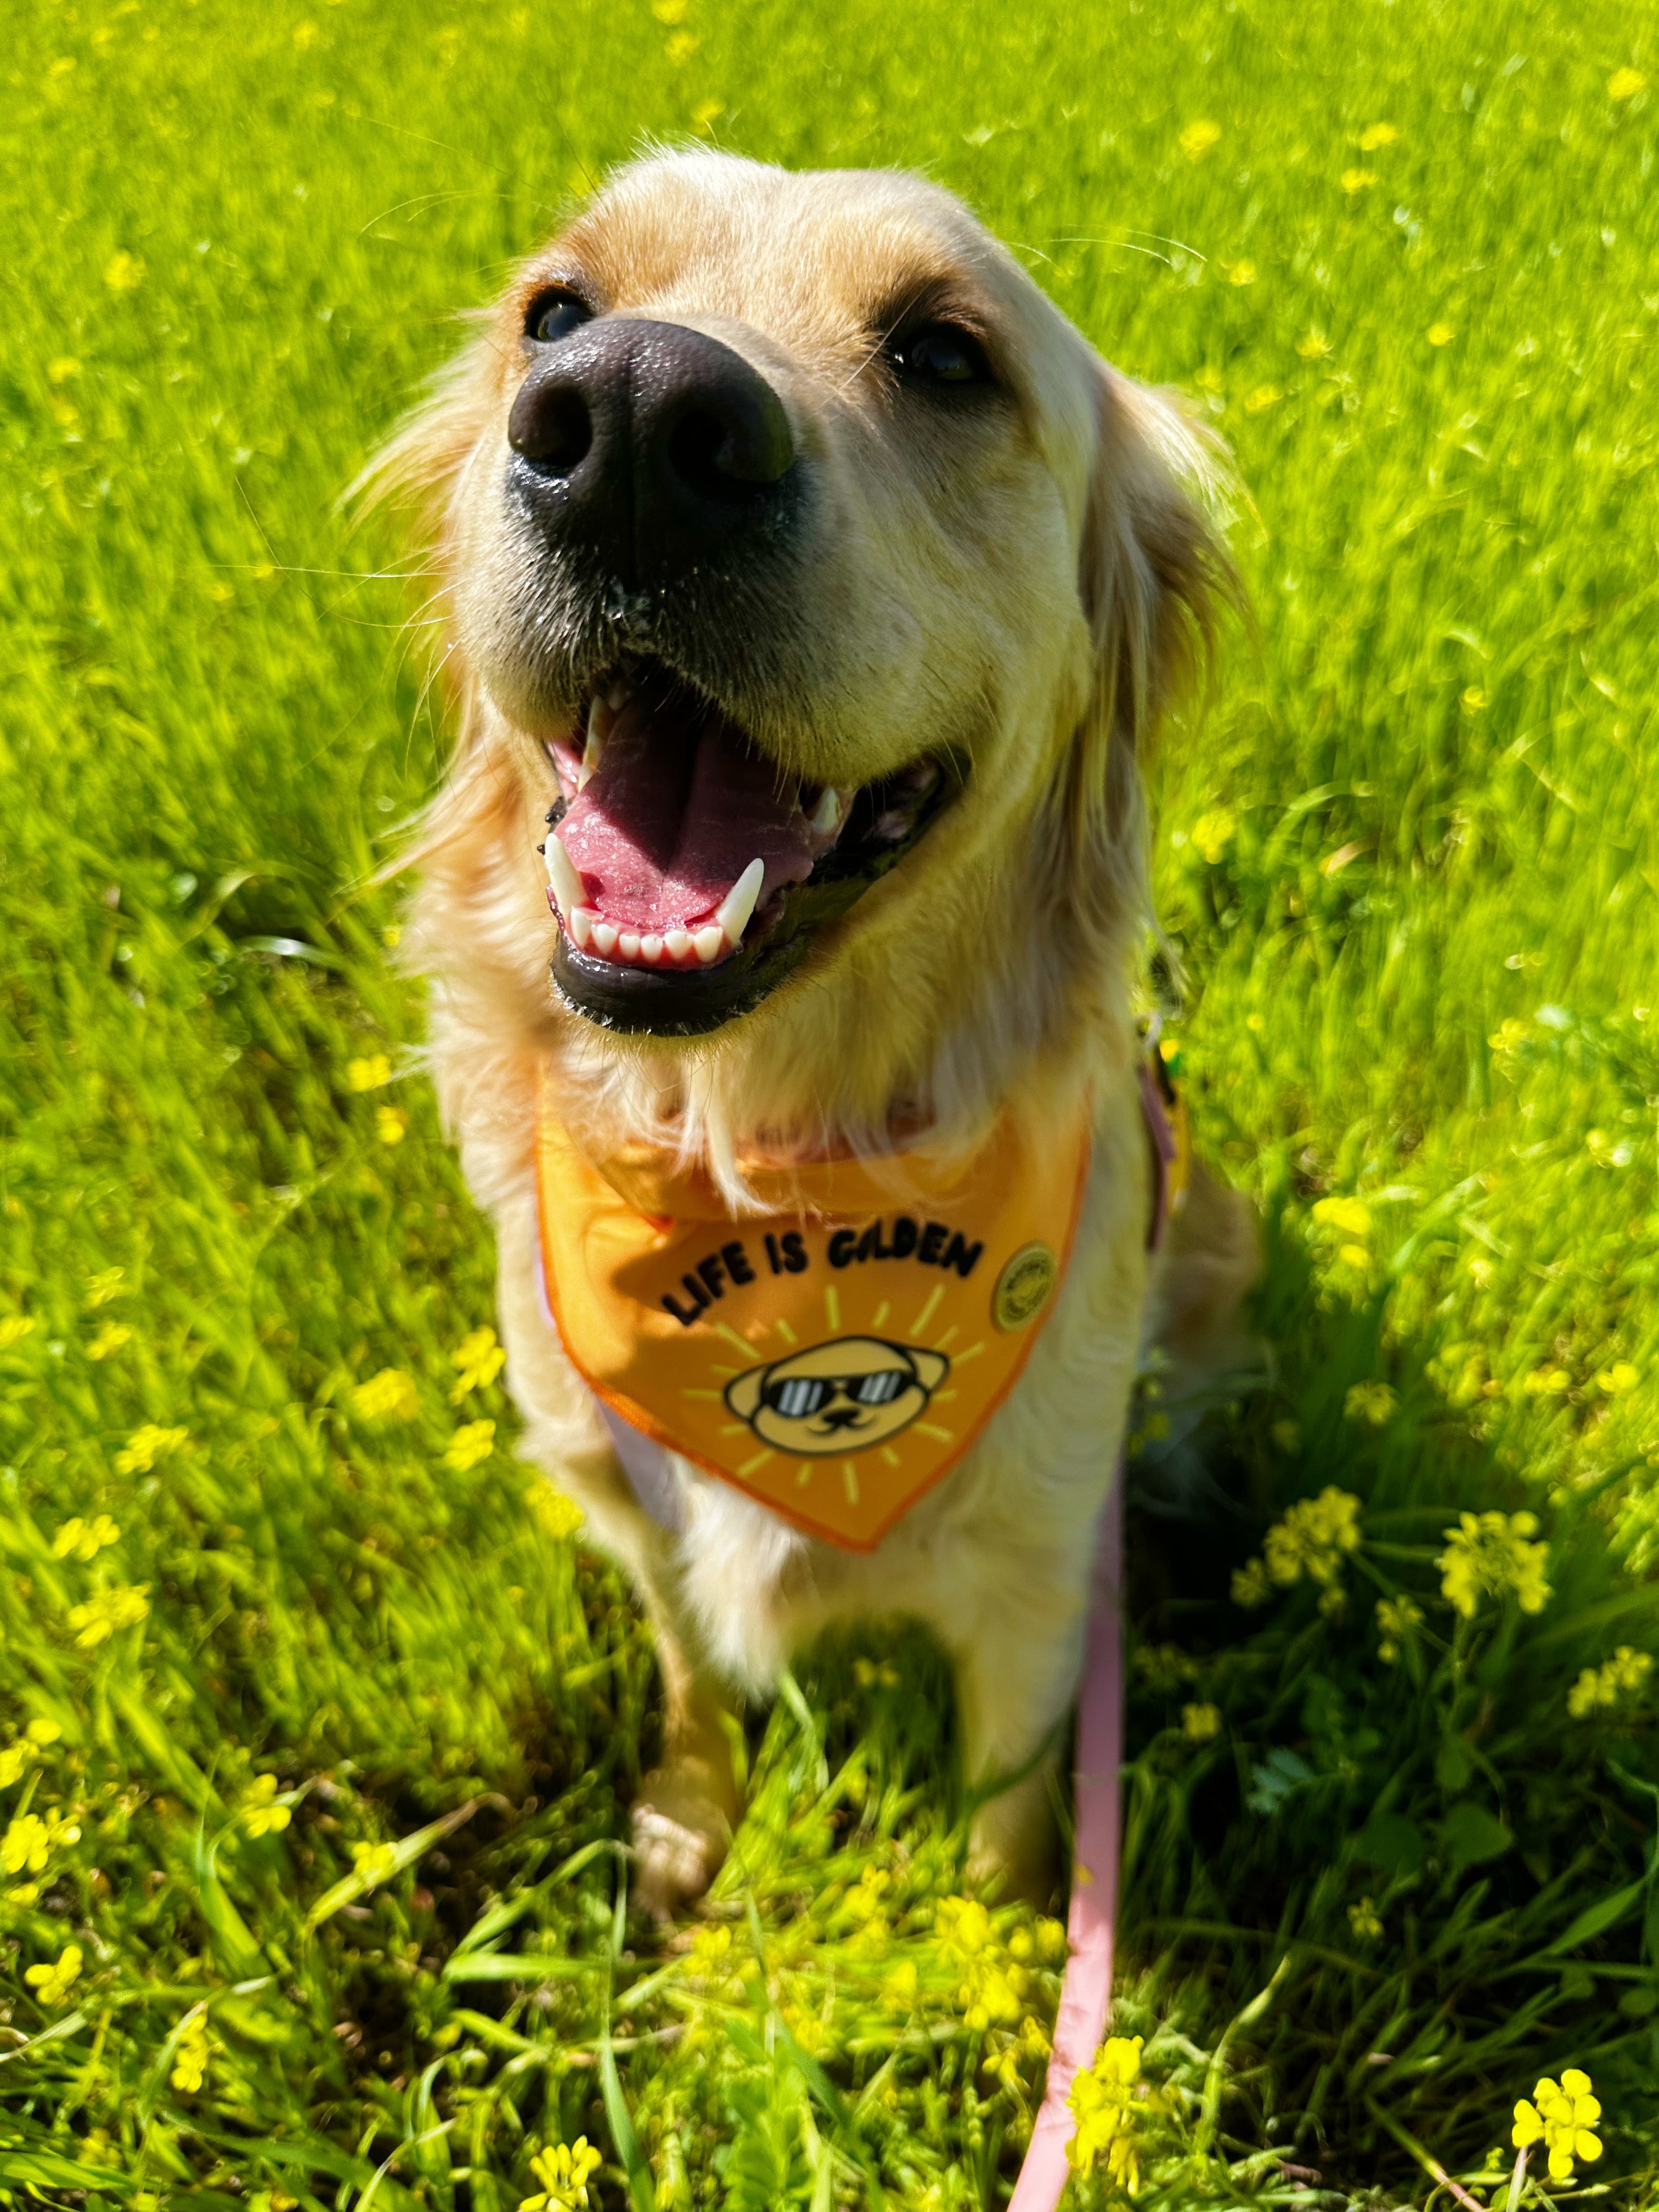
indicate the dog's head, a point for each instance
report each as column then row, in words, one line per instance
column 815, row 584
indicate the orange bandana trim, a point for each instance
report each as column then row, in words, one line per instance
column 832, row 1358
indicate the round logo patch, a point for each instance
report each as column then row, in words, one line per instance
column 1024, row 1286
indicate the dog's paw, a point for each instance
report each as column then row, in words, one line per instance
column 675, row 1860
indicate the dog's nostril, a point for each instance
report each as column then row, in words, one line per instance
column 732, row 444
column 550, row 425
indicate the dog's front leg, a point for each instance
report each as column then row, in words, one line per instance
column 687, row 1807
column 1017, row 1675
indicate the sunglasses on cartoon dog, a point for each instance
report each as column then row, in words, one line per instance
column 798, row 1396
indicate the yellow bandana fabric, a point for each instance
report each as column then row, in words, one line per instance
column 834, row 1356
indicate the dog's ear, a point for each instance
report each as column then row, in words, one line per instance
column 1154, row 577
column 931, row 1367
column 743, row 1392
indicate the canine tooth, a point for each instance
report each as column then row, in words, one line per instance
column 650, row 950
column 628, row 945
column 564, row 877
column 604, row 938
column 581, row 925
column 619, row 695
column 676, row 943
column 826, row 816
column 710, row 941
column 599, row 719
column 732, row 914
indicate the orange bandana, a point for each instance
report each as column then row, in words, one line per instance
column 834, row 1357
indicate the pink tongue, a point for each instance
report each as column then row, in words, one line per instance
column 678, row 808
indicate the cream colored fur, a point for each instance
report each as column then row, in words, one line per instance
column 1030, row 587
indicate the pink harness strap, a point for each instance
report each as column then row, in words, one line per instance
column 1085, row 1995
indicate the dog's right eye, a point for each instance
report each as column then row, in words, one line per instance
column 554, row 315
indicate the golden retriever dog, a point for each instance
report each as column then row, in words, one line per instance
column 810, row 593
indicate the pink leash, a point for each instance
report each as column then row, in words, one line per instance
column 1085, row 1995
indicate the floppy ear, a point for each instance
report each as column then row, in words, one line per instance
column 1153, row 577
column 742, row 1392
column 931, row 1367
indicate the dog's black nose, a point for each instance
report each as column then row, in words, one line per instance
column 650, row 444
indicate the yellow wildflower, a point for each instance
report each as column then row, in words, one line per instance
column 369, row 1072
column 480, row 1359
column 681, row 46
column 99, row 1619
column 472, row 1442
column 1626, row 1671
column 113, row 1335
column 669, row 12
column 25, row 1844
column 1395, row 1618
column 146, row 1445
column 14, row 1327
column 390, row 1124
column 123, row 272
column 1201, row 1723
column 1355, row 180
column 1242, row 272
column 1619, row 1378
column 1625, row 83
column 1198, row 138
column 1351, row 1216
column 559, row 1514
column 872, row 1674
column 1264, row 397
column 42, row 1730
column 376, row 1863
column 1212, row 833
column 389, row 1393
column 992, row 1983
column 1378, row 133
column 1250, row 1586
column 1312, row 1537
column 83, row 1539
column 1474, row 698
column 564, row 2171
column 190, row 2059
column 1365, row 1921
column 1370, row 1401
column 1546, row 1383
column 1313, row 345
column 104, row 1286
column 1488, row 1554
column 1442, row 334
column 261, row 1814
column 53, row 1983
column 13, row 1759
column 1560, row 2116
column 1108, row 2124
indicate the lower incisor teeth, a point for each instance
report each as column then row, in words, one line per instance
column 710, row 942
column 676, row 943
column 650, row 950
column 628, row 945
column 604, row 938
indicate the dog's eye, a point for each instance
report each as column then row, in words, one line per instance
column 941, row 353
column 554, row 315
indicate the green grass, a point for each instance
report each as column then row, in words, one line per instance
column 1409, row 862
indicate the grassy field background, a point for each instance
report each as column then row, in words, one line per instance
column 317, row 1724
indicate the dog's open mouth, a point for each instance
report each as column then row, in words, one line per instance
column 687, row 870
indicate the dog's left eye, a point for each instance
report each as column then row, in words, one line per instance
column 941, row 353
column 551, row 316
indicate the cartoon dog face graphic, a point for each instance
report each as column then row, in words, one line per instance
column 839, row 1397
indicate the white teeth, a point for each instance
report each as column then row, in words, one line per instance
column 604, row 938
column 733, row 915
column 619, row 695
column 676, row 943
column 564, row 877
column 628, row 945
column 826, row 816
column 710, row 942
column 650, row 950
